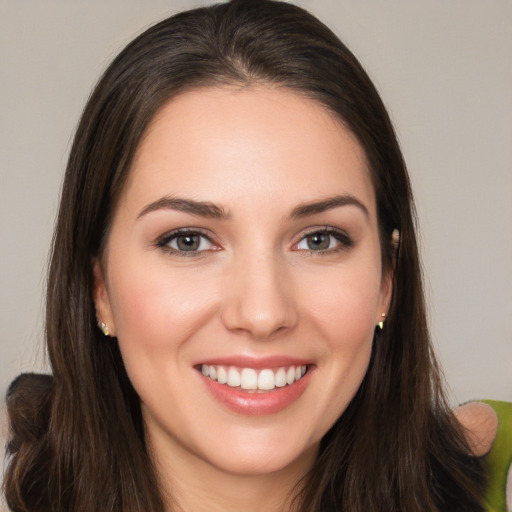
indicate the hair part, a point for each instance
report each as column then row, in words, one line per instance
column 77, row 437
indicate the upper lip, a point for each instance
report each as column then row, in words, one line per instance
column 258, row 363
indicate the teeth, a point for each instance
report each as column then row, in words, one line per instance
column 222, row 375
column 280, row 379
column 251, row 379
column 266, row 380
column 234, row 378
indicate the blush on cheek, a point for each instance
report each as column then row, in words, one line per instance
column 153, row 311
column 350, row 319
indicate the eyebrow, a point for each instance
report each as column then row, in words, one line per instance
column 307, row 209
column 212, row 211
column 200, row 208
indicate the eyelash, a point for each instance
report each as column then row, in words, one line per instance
column 345, row 242
column 164, row 241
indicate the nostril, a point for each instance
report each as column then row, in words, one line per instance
column 259, row 322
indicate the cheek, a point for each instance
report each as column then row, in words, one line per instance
column 345, row 307
column 343, row 313
column 157, row 309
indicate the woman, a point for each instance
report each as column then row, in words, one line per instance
column 235, row 315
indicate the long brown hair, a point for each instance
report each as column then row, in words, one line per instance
column 77, row 437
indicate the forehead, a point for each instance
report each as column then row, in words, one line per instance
column 258, row 143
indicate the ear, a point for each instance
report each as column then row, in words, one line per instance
column 101, row 298
column 386, row 292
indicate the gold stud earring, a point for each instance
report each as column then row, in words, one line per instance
column 105, row 329
column 381, row 323
column 395, row 238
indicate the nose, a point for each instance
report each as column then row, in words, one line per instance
column 259, row 299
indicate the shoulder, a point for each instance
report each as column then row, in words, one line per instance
column 499, row 458
column 480, row 424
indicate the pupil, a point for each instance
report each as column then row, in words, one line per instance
column 318, row 241
column 188, row 242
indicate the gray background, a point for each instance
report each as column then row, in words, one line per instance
column 444, row 70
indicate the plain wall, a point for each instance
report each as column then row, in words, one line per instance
column 444, row 70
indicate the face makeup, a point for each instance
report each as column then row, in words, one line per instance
column 242, row 278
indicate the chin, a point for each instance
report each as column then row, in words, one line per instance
column 264, row 458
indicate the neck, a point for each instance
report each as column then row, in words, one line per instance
column 191, row 484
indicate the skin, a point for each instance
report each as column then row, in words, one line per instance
column 480, row 424
column 256, row 290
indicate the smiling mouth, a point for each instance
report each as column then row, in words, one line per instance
column 251, row 380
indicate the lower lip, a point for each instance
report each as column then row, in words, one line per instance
column 260, row 403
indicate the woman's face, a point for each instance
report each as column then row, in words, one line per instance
column 244, row 253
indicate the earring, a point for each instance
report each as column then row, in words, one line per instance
column 105, row 329
column 381, row 323
column 395, row 238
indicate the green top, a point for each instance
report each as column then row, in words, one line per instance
column 499, row 458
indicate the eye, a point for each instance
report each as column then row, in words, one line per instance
column 324, row 240
column 186, row 241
